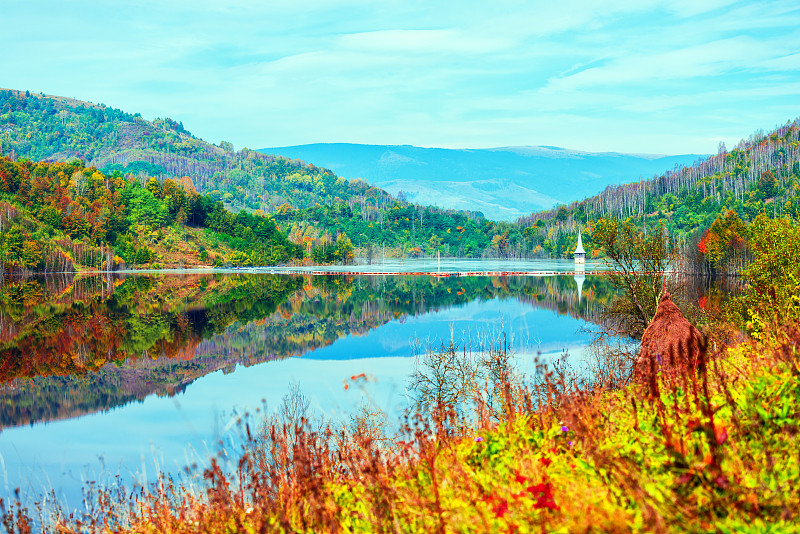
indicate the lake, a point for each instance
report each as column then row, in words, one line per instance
column 135, row 375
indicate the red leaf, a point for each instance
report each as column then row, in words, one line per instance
column 544, row 496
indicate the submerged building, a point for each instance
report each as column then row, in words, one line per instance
column 580, row 254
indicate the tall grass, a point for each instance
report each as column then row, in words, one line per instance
column 712, row 448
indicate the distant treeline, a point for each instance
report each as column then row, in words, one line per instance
column 704, row 207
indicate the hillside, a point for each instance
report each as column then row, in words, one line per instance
column 312, row 204
column 703, row 206
column 503, row 183
column 60, row 217
column 52, row 128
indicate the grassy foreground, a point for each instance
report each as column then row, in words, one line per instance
column 716, row 450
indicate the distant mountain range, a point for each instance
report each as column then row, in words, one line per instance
column 504, row 183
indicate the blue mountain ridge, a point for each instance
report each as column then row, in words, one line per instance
column 504, row 183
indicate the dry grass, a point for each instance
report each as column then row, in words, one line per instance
column 715, row 448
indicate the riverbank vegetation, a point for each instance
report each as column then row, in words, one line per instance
column 710, row 448
column 58, row 217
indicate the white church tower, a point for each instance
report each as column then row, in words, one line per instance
column 580, row 254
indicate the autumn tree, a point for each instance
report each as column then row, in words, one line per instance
column 154, row 187
column 772, row 296
column 724, row 239
column 767, row 184
column 639, row 261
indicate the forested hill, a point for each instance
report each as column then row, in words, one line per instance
column 503, row 183
column 57, row 217
column 320, row 211
column 51, row 128
column 760, row 175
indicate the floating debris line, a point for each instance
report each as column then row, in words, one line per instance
column 438, row 274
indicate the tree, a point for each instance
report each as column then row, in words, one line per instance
column 725, row 235
column 638, row 275
column 344, row 249
column 500, row 245
column 772, row 296
column 767, row 184
column 143, row 207
column 154, row 187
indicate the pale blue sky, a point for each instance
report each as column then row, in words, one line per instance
column 673, row 76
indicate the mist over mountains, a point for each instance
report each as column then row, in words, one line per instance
column 504, row 183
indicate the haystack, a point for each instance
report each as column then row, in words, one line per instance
column 670, row 344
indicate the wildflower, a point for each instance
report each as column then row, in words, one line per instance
column 564, row 428
column 501, row 508
column 543, row 493
column 478, row 439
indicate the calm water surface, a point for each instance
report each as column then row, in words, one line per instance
column 129, row 377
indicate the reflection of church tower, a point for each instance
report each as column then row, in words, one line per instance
column 580, row 254
column 580, row 278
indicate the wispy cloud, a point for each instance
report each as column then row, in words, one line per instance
column 634, row 75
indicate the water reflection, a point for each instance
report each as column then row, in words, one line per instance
column 133, row 368
column 75, row 346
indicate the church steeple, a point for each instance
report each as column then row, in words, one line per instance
column 580, row 254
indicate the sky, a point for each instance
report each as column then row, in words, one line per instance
column 646, row 76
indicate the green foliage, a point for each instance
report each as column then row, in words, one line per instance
column 762, row 175
column 767, row 185
column 400, row 226
column 143, row 207
column 39, row 127
column 80, row 214
column 772, row 296
column 639, row 262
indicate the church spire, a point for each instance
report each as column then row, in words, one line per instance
column 580, row 250
column 580, row 254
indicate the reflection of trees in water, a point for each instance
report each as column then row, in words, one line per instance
column 149, row 327
column 98, row 342
column 702, row 290
column 162, row 332
column 561, row 294
column 333, row 307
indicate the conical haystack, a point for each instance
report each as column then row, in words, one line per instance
column 670, row 344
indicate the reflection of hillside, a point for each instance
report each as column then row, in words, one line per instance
column 560, row 294
column 71, row 347
column 119, row 341
column 329, row 308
